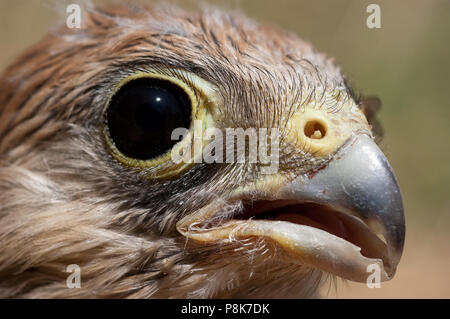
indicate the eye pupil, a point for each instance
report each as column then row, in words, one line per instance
column 149, row 119
column 143, row 114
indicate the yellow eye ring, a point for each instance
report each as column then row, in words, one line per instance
column 163, row 165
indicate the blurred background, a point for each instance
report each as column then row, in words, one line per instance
column 406, row 63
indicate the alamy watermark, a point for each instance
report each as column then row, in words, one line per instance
column 374, row 279
column 231, row 145
column 74, row 16
column 74, row 279
column 374, row 19
column 73, row 20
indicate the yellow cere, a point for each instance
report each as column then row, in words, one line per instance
column 321, row 132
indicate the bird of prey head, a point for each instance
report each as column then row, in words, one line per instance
column 87, row 175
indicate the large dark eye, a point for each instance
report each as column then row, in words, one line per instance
column 143, row 114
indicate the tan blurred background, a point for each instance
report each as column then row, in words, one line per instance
column 406, row 63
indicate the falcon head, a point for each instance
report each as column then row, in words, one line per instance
column 88, row 175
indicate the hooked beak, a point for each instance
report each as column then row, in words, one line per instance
column 340, row 219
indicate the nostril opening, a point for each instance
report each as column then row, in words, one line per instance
column 314, row 129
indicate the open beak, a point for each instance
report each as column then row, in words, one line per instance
column 341, row 219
